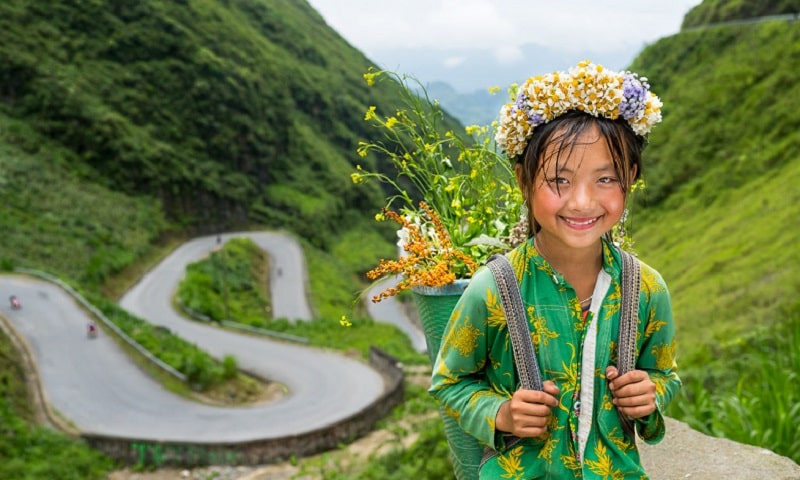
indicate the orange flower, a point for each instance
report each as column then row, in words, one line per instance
column 430, row 258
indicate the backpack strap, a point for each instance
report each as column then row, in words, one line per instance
column 530, row 375
column 524, row 357
column 629, row 318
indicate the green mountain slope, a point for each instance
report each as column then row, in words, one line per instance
column 215, row 115
column 51, row 219
column 721, row 209
column 225, row 112
column 715, row 11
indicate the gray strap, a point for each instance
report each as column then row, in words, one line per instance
column 527, row 367
column 508, row 288
column 631, row 281
column 629, row 316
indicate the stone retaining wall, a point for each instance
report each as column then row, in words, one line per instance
column 132, row 451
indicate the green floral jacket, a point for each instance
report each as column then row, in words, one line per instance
column 474, row 372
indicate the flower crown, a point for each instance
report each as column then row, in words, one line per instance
column 588, row 88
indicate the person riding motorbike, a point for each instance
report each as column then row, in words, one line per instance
column 15, row 304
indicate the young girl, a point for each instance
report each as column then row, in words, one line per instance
column 576, row 139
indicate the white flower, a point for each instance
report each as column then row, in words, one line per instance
column 586, row 87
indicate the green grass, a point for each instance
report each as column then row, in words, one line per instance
column 84, row 232
column 427, row 457
column 763, row 408
column 728, row 263
column 30, row 452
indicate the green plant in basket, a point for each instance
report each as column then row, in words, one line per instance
column 454, row 195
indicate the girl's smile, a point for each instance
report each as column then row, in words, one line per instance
column 580, row 224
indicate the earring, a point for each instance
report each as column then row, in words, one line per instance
column 618, row 233
column 522, row 230
column 525, row 219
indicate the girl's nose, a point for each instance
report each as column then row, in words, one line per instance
column 581, row 197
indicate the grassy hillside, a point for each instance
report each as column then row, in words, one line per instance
column 714, row 11
column 225, row 112
column 122, row 126
column 53, row 220
column 721, row 206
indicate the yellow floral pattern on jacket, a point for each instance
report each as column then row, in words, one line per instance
column 474, row 372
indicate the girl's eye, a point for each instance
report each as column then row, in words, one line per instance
column 607, row 180
column 557, row 181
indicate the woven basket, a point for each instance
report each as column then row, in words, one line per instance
column 435, row 306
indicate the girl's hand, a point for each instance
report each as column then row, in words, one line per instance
column 528, row 411
column 634, row 393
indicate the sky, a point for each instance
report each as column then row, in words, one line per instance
column 477, row 44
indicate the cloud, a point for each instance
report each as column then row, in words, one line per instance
column 472, row 43
column 507, row 24
column 508, row 54
column 450, row 62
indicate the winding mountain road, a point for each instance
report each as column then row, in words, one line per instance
column 99, row 389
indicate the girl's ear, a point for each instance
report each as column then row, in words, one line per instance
column 632, row 175
column 518, row 172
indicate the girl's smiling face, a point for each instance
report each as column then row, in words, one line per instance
column 577, row 196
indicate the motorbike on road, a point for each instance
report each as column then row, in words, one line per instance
column 15, row 303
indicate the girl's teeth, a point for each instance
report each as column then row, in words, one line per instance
column 579, row 224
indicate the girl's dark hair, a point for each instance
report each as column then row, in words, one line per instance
column 624, row 145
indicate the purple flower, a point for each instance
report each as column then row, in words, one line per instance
column 535, row 119
column 519, row 104
column 634, row 95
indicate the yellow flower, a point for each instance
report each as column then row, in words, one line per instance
column 362, row 149
column 665, row 355
column 454, row 173
column 345, row 322
column 370, row 78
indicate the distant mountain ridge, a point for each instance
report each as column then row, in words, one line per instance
column 477, row 108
